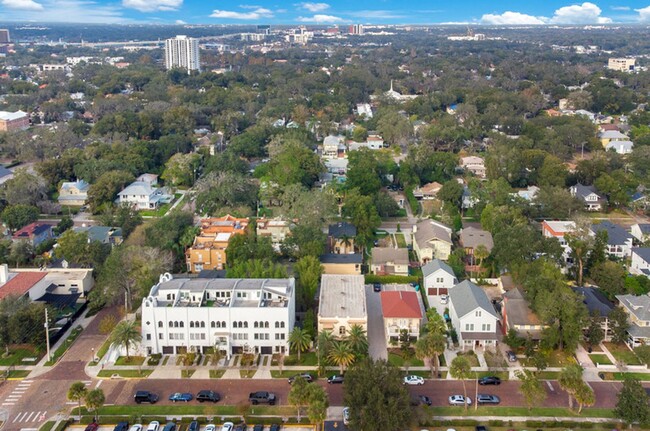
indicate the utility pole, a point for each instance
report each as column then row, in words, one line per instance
column 47, row 336
column 126, row 303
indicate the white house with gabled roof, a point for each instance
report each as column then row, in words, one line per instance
column 473, row 316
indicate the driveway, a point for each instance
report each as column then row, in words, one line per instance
column 377, row 347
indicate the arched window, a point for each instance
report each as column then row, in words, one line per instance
column 160, row 324
column 171, row 324
column 202, row 324
column 277, row 324
column 213, row 324
column 255, row 324
column 182, row 324
column 235, row 324
column 281, row 324
column 216, row 324
column 245, row 324
column 223, row 324
column 191, row 324
column 175, row 324
column 266, row 324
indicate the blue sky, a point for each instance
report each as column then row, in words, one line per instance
column 475, row 12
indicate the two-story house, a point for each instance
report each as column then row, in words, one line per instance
column 558, row 230
column 277, row 229
column 474, row 164
column 334, row 147
column 34, row 233
column 334, row 263
column 473, row 316
column 340, row 237
column 592, row 200
column 619, row 241
column 73, row 193
column 427, row 191
column 402, row 312
column 640, row 261
column 180, row 315
column 390, row 261
column 471, row 238
column 208, row 252
column 431, row 240
column 143, row 196
column 439, row 279
column 342, row 304
column 517, row 316
column 638, row 312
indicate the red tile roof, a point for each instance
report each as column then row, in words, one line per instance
column 400, row 304
column 20, row 284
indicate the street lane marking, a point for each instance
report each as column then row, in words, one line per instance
column 98, row 383
column 550, row 386
column 8, row 404
column 19, row 415
column 29, row 418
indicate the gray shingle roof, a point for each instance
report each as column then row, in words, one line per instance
column 342, row 228
column 616, row 235
column 434, row 265
column 427, row 230
column 595, row 300
column 341, row 258
column 383, row 255
column 639, row 305
column 471, row 237
column 466, row 297
column 644, row 227
column 642, row 252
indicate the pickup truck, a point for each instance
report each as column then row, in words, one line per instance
column 261, row 397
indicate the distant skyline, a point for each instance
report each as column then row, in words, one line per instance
column 472, row 12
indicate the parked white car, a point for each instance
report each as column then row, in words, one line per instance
column 413, row 380
column 459, row 400
column 210, row 427
column 227, row 426
column 444, row 299
column 346, row 415
column 153, row 426
column 136, row 427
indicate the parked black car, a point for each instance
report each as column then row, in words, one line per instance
column 240, row 427
column 335, row 379
column 376, row 287
column 489, row 380
column 121, row 426
column 145, row 397
column 274, row 427
column 206, row 395
column 258, row 427
column 194, row 426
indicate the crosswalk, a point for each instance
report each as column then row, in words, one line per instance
column 29, row 417
column 17, row 393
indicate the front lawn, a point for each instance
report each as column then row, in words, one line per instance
column 18, row 374
column 186, row 374
column 190, row 409
column 395, row 358
column 401, row 241
column 131, row 374
column 548, row 375
column 471, row 357
column 17, row 356
column 217, row 374
column 495, row 360
column 131, row 360
column 307, row 358
column 556, row 359
column 247, row 374
column 600, row 359
column 644, row 377
column 285, row 374
column 622, row 354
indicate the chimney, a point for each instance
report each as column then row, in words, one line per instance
column 4, row 273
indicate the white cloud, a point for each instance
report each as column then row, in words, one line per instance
column 68, row 11
column 253, row 15
column 644, row 14
column 22, row 4
column 152, row 5
column 320, row 19
column 249, row 6
column 313, row 7
column 511, row 18
column 376, row 14
column 586, row 13
column 619, row 7
column 180, row 22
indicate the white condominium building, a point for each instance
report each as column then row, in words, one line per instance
column 183, row 52
column 232, row 315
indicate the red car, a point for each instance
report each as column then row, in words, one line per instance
column 92, row 427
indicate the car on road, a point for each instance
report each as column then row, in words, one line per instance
column 194, row 426
column 210, row 427
column 170, row 426
column 92, row 427
column 511, row 356
column 274, row 427
column 227, row 426
column 181, row 396
column 206, row 395
column 145, row 397
column 263, row 397
column 421, row 400
column 258, row 427
column 153, row 426
column 335, row 379
column 487, row 399
column 308, row 377
column 413, row 380
column 489, row 380
column 459, row 400
column 376, row 287
column 121, row 426
column 346, row 415
column 444, row 299
column 136, row 427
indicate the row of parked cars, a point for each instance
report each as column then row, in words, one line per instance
column 193, row 426
column 152, row 398
column 335, row 379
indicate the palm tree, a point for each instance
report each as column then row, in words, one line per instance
column 570, row 380
column 584, row 396
column 126, row 334
column 358, row 340
column 531, row 388
column 346, row 241
column 324, row 343
column 431, row 346
column 77, row 392
column 341, row 354
column 461, row 369
column 299, row 340
column 480, row 253
column 95, row 400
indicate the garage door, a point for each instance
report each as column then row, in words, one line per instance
column 267, row 350
column 168, row 350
